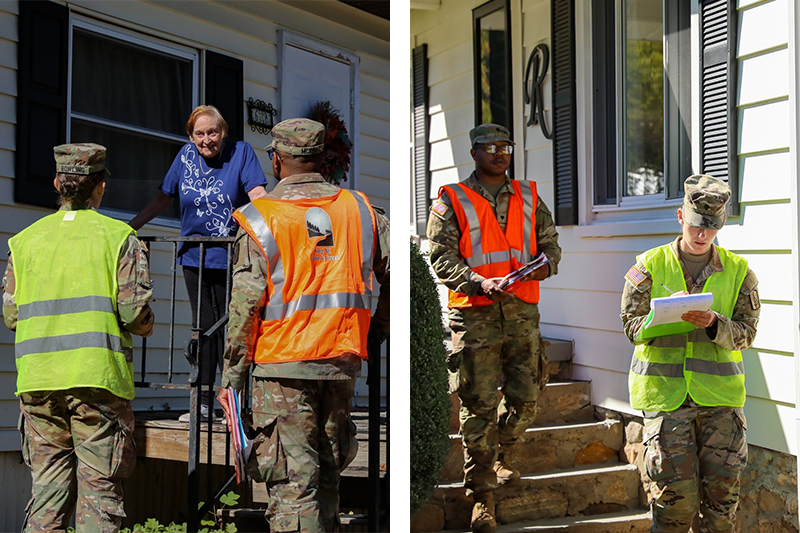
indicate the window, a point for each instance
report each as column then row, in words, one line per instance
column 133, row 96
column 642, row 87
column 492, row 59
column 82, row 80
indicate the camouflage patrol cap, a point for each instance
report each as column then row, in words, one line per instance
column 704, row 202
column 298, row 136
column 80, row 158
column 489, row 133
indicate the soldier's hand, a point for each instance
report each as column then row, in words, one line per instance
column 701, row 319
column 492, row 290
column 222, row 398
column 538, row 274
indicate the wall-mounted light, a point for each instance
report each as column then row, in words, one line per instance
column 260, row 116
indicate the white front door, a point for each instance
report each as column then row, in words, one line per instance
column 308, row 77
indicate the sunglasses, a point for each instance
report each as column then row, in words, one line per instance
column 270, row 152
column 493, row 149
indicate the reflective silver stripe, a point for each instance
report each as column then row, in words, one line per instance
column 278, row 278
column 367, row 238
column 528, row 202
column 273, row 257
column 263, row 233
column 474, row 226
column 310, row 302
column 647, row 368
column 76, row 341
column 712, row 367
column 63, row 306
column 491, row 257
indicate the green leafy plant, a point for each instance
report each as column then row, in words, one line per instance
column 430, row 400
column 214, row 518
column 212, row 521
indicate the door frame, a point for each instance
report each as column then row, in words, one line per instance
column 287, row 38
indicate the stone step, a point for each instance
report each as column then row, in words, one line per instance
column 578, row 491
column 544, row 449
column 559, row 403
column 629, row 521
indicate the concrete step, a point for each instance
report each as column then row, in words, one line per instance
column 544, row 449
column 629, row 521
column 577, row 491
column 559, row 403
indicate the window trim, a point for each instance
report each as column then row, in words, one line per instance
column 478, row 13
column 614, row 95
column 134, row 40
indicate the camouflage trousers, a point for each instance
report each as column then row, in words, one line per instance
column 306, row 439
column 695, row 455
column 494, row 346
column 79, row 446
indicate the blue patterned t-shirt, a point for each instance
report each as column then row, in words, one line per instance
column 209, row 190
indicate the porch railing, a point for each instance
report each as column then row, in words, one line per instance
column 193, row 351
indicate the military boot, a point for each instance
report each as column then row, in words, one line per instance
column 505, row 474
column 483, row 513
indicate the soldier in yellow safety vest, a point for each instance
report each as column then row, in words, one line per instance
column 76, row 286
column 688, row 377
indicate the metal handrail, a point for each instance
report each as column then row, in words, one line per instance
column 194, row 511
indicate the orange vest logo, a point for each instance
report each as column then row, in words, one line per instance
column 319, row 224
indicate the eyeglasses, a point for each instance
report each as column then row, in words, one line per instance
column 493, row 149
column 271, row 151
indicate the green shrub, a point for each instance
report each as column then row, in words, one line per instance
column 430, row 401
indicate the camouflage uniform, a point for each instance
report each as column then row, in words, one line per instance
column 695, row 454
column 496, row 345
column 79, row 442
column 302, row 409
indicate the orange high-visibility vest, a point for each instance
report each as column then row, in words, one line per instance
column 319, row 253
column 483, row 245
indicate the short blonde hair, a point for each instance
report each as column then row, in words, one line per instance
column 211, row 111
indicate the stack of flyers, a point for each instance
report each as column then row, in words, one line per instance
column 523, row 271
column 242, row 444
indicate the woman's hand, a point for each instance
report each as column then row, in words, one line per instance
column 701, row 319
column 257, row 192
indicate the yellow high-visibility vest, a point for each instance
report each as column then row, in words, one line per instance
column 661, row 377
column 68, row 330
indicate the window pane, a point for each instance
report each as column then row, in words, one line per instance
column 644, row 98
column 128, row 84
column 137, row 164
column 493, row 76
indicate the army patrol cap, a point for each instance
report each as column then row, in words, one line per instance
column 80, row 158
column 704, row 202
column 489, row 133
column 298, row 136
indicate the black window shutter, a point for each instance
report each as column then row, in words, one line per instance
column 718, row 77
column 565, row 165
column 422, row 176
column 41, row 99
column 225, row 91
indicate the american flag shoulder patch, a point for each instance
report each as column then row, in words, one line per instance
column 635, row 276
column 439, row 208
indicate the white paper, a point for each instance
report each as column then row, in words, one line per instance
column 669, row 310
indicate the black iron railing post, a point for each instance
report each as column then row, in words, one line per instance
column 374, row 459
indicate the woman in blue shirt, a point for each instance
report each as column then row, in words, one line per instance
column 211, row 178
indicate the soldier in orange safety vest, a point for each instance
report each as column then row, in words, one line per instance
column 480, row 230
column 301, row 300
